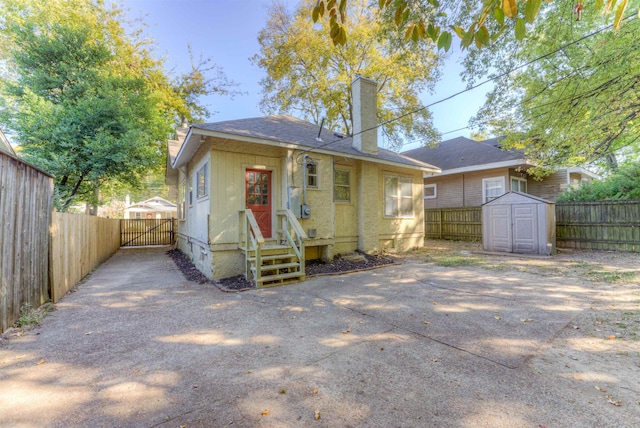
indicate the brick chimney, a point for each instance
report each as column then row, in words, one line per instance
column 364, row 93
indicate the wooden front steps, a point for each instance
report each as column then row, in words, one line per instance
column 279, row 265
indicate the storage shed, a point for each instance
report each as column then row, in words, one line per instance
column 519, row 223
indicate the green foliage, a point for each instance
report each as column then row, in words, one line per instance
column 575, row 107
column 32, row 316
column 308, row 77
column 484, row 20
column 623, row 184
column 88, row 102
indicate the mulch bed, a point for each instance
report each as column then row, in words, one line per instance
column 313, row 267
column 340, row 265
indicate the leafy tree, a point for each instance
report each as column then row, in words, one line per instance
column 623, row 184
column 485, row 21
column 578, row 106
column 87, row 101
column 308, row 77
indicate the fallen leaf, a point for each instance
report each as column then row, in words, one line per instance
column 498, row 317
column 315, row 390
column 87, row 333
column 265, row 412
column 317, row 415
column 611, row 337
column 435, row 360
column 526, row 319
column 41, row 362
column 195, row 386
column 346, row 331
column 283, row 391
column 427, row 322
column 435, row 303
column 615, row 403
column 600, row 389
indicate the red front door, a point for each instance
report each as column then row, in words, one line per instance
column 258, row 193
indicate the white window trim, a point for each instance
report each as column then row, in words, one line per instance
column 435, row 191
column 204, row 169
column 484, row 187
column 521, row 180
column 399, row 199
column 182, row 200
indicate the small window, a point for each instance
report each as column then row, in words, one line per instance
column 190, row 191
column 430, row 191
column 203, row 181
column 181, row 200
column 138, row 216
column 398, row 196
column 312, row 174
column 518, row 185
column 492, row 188
column 341, row 186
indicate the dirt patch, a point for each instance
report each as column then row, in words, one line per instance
column 344, row 265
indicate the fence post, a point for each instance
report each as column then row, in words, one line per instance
column 440, row 224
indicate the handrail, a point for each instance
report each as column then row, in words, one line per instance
column 297, row 243
column 253, row 240
column 254, row 226
column 293, row 222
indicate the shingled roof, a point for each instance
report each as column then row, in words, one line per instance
column 288, row 131
column 464, row 152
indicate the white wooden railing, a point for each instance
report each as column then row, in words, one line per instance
column 252, row 240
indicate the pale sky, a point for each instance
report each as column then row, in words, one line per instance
column 227, row 31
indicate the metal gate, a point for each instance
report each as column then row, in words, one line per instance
column 146, row 232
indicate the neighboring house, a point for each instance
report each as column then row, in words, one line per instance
column 475, row 172
column 5, row 146
column 155, row 207
column 250, row 188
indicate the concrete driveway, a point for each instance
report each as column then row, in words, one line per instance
column 412, row 345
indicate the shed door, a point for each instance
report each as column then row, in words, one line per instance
column 258, row 193
column 501, row 228
column 525, row 228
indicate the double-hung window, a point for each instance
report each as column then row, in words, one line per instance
column 492, row 188
column 341, row 185
column 202, row 181
column 518, row 185
column 398, row 196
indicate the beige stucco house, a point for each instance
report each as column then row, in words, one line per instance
column 475, row 172
column 153, row 208
column 259, row 196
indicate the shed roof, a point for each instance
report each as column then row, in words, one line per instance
column 516, row 198
column 288, row 131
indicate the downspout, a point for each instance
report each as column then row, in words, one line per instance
column 304, row 179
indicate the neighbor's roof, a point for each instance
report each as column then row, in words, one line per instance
column 462, row 152
column 5, row 146
column 290, row 132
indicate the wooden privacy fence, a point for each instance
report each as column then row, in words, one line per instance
column 144, row 232
column 26, row 196
column 611, row 225
column 79, row 243
column 459, row 224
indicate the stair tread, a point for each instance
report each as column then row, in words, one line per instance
column 266, row 278
column 273, row 257
column 280, row 266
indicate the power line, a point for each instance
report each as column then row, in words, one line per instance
column 506, row 73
